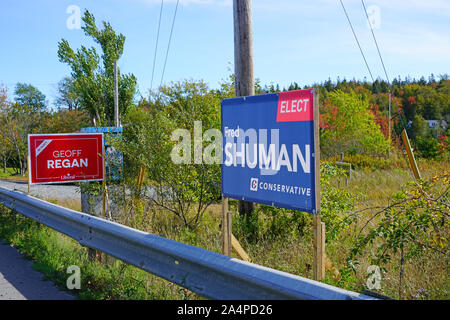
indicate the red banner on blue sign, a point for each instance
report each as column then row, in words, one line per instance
column 295, row 106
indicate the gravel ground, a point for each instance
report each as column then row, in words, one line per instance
column 45, row 191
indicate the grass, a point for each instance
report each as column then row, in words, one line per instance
column 426, row 276
column 282, row 242
column 10, row 174
column 53, row 253
column 73, row 204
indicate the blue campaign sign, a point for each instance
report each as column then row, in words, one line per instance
column 114, row 159
column 269, row 149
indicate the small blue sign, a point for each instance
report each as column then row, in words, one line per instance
column 269, row 149
column 113, row 158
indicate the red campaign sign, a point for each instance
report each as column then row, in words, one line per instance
column 295, row 106
column 58, row 158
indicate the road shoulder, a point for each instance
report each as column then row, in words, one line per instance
column 19, row 281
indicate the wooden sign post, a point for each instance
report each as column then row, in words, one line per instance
column 226, row 228
column 319, row 249
column 411, row 159
column 319, row 226
column 229, row 242
column 29, row 173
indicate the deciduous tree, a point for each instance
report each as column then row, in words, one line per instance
column 93, row 75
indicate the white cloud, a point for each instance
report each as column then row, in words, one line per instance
column 437, row 7
column 440, row 7
column 416, row 43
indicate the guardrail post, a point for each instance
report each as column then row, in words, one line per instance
column 89, row 205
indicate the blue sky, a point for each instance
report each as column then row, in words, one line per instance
column 294, row 40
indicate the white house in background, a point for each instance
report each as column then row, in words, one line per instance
column 435, row 124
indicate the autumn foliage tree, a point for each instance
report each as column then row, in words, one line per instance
column 18, row 118
column 349, row 126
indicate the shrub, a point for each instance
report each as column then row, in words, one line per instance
column 268, row 222
column 350, row 126
column 185, row 189
column 414, row 227
column 427, row 147
column 335, row 203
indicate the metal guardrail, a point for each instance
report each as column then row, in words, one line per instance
column 204, row 272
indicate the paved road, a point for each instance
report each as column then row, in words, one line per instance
column 18, row 281
column 45, row 191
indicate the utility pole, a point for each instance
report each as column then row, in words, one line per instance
column 243, row 64
column 116, row 96
column 243, row 48
column 389, row 120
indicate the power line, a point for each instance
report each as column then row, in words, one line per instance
column 382, row 63
column 156, row 46
column 367, row 65
column 386, row 74
column 376, row 44
column 168, row 45
column 377, row 88
column 356, row 38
